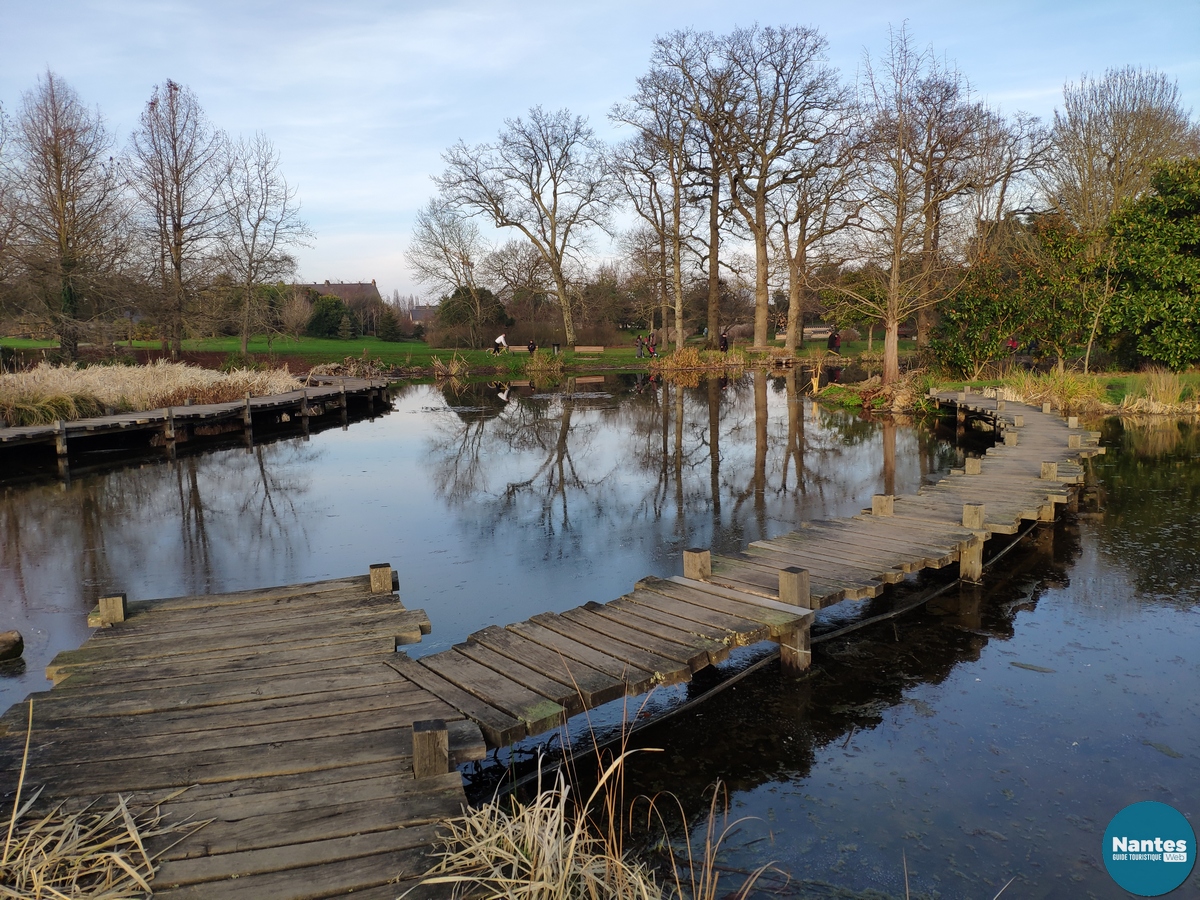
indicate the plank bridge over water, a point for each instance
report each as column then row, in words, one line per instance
column 325, row 755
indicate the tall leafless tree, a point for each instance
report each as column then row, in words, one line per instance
column 783, row 97
column 262, row 225
column 68, row 207
column 547, row 177
column 176, row 173
column 446, row 253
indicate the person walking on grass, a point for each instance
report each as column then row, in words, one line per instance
column 724, row 341
column 637, row 339
column 499, row 345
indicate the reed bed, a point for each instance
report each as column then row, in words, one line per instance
column 46, row 393
column 1158, row 392
column 1066, row 390
column 544, row 366
column 686, row 367
column 455, row 367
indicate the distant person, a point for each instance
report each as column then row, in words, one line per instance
column 724, row 341
column 1012, row 344
column 499, row 345
column 834, row 343
column 532, row 347
column 637, row 339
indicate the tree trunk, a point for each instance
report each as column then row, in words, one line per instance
column 714, row 274
column 762, row 295
column 891, row 350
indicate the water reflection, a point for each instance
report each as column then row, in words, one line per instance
column 991, row 736
column 495, row 502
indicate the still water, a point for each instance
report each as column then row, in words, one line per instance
column 994, row 741
column 989, row 738
column 492, row 505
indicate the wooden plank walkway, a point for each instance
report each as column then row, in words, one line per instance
column 276, row 712
column 177, row 422
column 297, row 725
column 531, row 676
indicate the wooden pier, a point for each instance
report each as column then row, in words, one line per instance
column 324, row 755
column 176, row 424
column 531, row 676
column 275, row 711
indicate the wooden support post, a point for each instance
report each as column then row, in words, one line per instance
column 112, row 609
column 999, row 406
column 342, row 393
column 247, row 419
column 60, row 437
column 1050, row 471
column 795, row 650
column 972, row 516
column 960, row 415
column 381, row 578
column 962, row 396
column 169, row 426
column 1046, row 511
column 697, row 564
column 883, row 505
column 1074, row 441
column 431, row 748
column 973, row 465
column 1019, row 421
column 1072, row 421
column 793, row 587
column 1046, row 407
column 970, row 561
column 1010, row 439
column 187, row 402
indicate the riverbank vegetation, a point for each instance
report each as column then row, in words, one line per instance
column 46, row 393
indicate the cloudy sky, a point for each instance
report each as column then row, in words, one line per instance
column 362, row 96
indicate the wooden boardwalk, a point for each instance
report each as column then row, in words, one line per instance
column 298, row 726
column 531, row 676
column 180, row 423
column 276, row 711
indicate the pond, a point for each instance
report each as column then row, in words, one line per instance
column 492, row 504
column 972, row 742
column 990, row 744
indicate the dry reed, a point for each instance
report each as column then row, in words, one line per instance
column 92, row 854
column 1158, row 392
column 541, row 850
column 456, row 367
column 1067, row 390
column 544, row 366
column 46, row 393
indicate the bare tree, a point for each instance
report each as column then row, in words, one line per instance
column 783, row 98
column 1107, row 139
column 921, row 137
column 445, row 254
column 68, row 205
column 263, row 223
column 656, row 169
column 546, row 177
column 176, row 172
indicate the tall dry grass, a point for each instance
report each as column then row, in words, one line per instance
column 48, row 393
column 92, row 854
column 1066, row 390
column 544, row 366
column 1158, row 392
column 686, row 367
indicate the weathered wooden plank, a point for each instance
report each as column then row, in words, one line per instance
column 691, row 655
column 663, row 669
column 742, row 632
column 536, row 712
column 592, row 685
column 809, row 554
column 776, row 621
column 716, row 642
column 299, row 861
column 564, row 696
column 926, row 551
column 500, row 729
column 635, row 679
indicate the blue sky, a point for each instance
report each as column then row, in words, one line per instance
column 362, row 96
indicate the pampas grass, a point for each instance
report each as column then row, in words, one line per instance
column 1068, row 390
column 46, row 393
